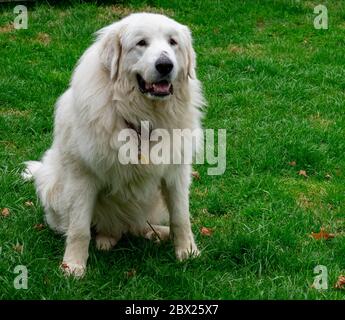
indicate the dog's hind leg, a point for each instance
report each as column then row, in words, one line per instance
column 155, row 228
column 108, row 227
column 156, row 233
column 104, row 242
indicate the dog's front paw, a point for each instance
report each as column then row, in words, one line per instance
column 186, row 251
column 73, row 269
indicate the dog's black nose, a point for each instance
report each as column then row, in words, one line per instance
column 164, row 65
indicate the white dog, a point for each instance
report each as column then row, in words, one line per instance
column 139, row 68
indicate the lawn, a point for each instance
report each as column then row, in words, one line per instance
column 272, row 80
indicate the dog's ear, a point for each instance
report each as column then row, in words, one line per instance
column 110, row 48
column 190, row 55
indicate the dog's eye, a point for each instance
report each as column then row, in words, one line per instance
column 142, row 43
column 172, row 42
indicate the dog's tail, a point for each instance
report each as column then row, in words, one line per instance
column 31, row 168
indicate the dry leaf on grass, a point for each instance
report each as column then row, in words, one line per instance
column 39, row 226
column 340, row 282
column 5, row 212
column 322, row 235
column 131, row 273
column 292, row 163
column 206, row 231
column 302, row 173
column 18, row 247
column 196, row 175
column 328, row 176
column 29, row 204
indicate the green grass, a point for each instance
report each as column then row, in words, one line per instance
column 272, row 80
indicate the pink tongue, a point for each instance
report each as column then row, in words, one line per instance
column 162, row 87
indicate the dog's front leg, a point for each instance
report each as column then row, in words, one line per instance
column 82, row 195
column 175, row 189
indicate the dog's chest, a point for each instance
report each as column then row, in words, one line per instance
column 136, row 181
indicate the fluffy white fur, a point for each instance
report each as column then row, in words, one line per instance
column 80, row 181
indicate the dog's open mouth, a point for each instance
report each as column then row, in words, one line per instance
column 161, row 88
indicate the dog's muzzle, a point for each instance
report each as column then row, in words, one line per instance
column 161, row 88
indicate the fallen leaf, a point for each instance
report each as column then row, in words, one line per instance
column 292, row 163
column 29, row 204
column 340, row 282
column 5, row 212
column 196, row 175
column 322, row 235
column 39, row 226
column 18, row 247
column 302, row 173
column 206, row 231
column 131, row 273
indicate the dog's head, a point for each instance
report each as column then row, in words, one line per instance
column 150, row 51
